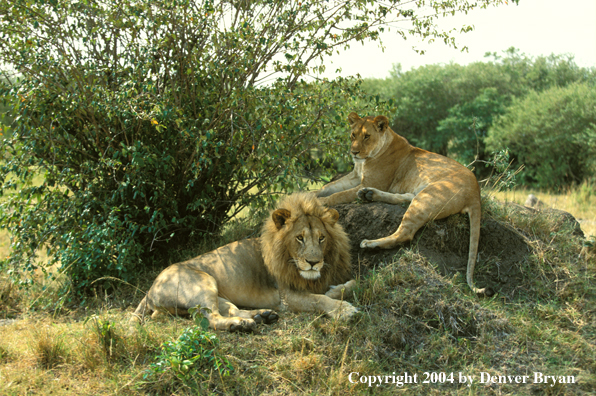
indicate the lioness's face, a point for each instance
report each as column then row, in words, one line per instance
column 367, row 136
column 308, row 246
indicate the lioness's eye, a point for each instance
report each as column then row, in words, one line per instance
column 352, row 136
column 366, row 137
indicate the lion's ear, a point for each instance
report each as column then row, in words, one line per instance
column 333, row 216
column 353, row 118
column 381, row 123
column 280, row 216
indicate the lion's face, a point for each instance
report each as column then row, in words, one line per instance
column 303, row 245
column 307, row 247
column 368, row 136
column 306, row 240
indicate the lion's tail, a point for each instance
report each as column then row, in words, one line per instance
column 144, row 308
column 474, row 213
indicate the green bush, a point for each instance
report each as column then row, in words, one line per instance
column 437, row 104
column 552, row 133
column 154, row 122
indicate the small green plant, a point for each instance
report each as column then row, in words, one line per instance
column 503, row 176
column 106, row 334
column 191, row 355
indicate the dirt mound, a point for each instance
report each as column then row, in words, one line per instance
column 502, row 250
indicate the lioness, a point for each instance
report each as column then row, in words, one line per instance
column 388, row 169
column 300, row 262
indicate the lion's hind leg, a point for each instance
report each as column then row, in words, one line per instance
column 266, row 316
column 203, row 293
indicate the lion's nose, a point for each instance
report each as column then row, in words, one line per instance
column 312, row 263
column 355, row 152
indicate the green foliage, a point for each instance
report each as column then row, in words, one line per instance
column 191, row 355
column 155, row 122
column 553, row 133
column 105, row 330
column 467, row 125
column 449, row 108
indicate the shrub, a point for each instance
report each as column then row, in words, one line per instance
column 154, row 122
column 552, row 133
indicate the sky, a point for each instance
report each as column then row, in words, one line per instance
column 536, row 27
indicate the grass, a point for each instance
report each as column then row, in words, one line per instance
column 579, row 201
column 413, row 320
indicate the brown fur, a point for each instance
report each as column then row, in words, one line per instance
column 388, row 169
column 278, row 247
column 266, row 274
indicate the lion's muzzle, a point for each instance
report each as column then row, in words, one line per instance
column 309, row 269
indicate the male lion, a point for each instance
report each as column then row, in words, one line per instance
column 303, row 251
column 388, row 169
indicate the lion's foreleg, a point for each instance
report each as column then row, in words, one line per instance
column 308, row 302
column 339, row 292
column 267, row 316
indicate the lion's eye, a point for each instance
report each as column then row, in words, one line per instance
column 352, row 136
column 366, row 137
column 300, row 238
column 321, row 239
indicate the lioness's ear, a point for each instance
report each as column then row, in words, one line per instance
column 333, row 216
column 353, row 118
column 280, row 216
column 381, row 123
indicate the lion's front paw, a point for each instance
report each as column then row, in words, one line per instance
column 366, row 194
column 338, row 292
column 243, row 325
column 345, row 311
column 266, row 316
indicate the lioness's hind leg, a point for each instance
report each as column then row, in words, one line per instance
column 266, row 316
column 373, row 194
column 425, row 206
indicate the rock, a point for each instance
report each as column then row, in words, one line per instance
column 533, row 202
column 501, row 251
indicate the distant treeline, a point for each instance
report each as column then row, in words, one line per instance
column 543, row 110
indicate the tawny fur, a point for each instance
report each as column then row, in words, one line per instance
column 388, row 169
column 300, row 237
column 276, row 246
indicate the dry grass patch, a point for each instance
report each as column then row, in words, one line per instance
column 579, row 201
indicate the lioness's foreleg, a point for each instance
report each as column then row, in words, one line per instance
column 267, row 316
column 373, row 194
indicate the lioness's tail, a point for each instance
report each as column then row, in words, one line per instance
column 474, row 213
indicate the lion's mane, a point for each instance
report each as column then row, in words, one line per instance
column 277, row 257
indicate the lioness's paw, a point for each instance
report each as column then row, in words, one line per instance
column 243, row 325
column 266, row 317
column 345, row 311
column 366, row 244
column 366, row 194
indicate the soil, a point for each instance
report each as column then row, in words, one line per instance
column 502, row 250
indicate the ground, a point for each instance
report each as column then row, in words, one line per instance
column 502, row 251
